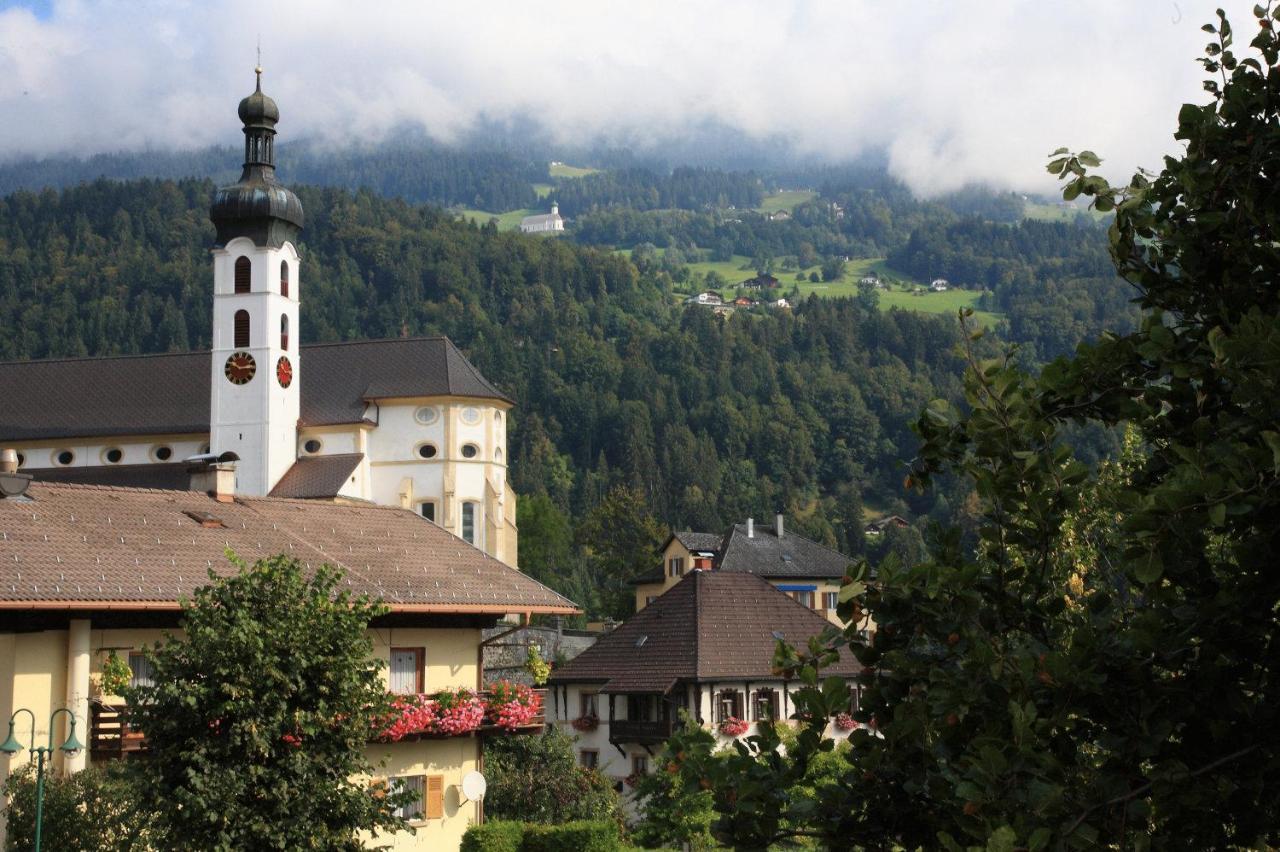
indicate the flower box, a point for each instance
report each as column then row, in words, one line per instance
column 733, row 727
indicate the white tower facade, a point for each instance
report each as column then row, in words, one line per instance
column 255, row 371
column 255, row 379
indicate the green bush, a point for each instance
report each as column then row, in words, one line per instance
column 495, row 836
column 580, row 836
column 95, row 810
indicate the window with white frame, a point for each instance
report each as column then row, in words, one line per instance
column 416, row 784
column 589, row 758
column 675, row 566
column 589, row 705
column 830, row 600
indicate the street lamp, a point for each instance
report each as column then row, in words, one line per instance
column 11, row 746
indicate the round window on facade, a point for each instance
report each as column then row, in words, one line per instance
column 64, row 457
column 113, row 455
column 427, row 414
column 470, row 415
column 427, row 451
column 162, row 453
column 311, row 446
column 470, row 451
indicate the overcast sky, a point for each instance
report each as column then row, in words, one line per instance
column 955, row 91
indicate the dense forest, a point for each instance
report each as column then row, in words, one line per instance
column 633, row 410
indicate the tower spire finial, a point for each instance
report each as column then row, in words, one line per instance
column 258, row 68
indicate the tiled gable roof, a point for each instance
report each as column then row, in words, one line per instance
column 767, row 555
column 712, row 625
column 699, row 540
column 169, row 394
column 95, row 547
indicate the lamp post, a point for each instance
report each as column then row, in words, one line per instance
column 11, row 746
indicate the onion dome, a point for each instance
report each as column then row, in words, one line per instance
column 257, row 206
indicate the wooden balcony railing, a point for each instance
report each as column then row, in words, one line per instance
column 642, row 733
column 111, row 737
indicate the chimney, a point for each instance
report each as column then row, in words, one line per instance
column 751, row 527
column 12, row 483
column 214, row 475
column 778, row 524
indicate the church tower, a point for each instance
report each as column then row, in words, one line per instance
column 255, row 370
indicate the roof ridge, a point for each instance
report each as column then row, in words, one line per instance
column 88, row 486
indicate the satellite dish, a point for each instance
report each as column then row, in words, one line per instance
column 473, row 786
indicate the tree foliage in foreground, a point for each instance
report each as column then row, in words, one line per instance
column 1101, row 672
column 260, row 715
column 538, row 779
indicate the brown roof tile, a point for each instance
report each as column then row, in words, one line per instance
column 169, row 394
column 712, row 625
column 317, row 476
column 84, row 546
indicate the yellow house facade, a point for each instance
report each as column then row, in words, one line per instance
column 92, row 571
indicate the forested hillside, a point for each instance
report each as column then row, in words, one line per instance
column 633, row 411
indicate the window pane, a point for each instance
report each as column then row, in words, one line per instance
column 404, row 671
column 412, row 783
column 429, row 511
column 469, row 523
column 141, row 668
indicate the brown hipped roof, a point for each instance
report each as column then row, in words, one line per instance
column 97, row 547
column 710, row 626
column 169, row 394
column 317, row 476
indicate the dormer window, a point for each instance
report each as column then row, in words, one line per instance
column 243, row 267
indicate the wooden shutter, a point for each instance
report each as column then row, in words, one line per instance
column 242, row 329
column 242, row 274
column 435, row 797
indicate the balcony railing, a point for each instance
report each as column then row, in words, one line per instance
column 110, row 735
column 642, row 733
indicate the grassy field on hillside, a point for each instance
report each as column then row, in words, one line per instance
column 561, row 170
column 899, row 296
column 509, row 221
column 785, row 200
column 1058, row 213
column 543, row 189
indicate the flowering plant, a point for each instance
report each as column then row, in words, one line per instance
column 450, row 712
column 512, row 705
column 845, row 722
column 734, row 727
column 585, row 723
column 459, row 711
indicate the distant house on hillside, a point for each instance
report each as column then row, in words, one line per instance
column 881, row 524
column 745, row 302
column 781, row 304
column 706, row 297
column 939, row 285
column 780, row 216
column 543, row 223
column 763, row 281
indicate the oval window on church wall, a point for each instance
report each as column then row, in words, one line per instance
column 242, row 329
column 243, row 268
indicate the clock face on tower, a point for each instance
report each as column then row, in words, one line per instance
column 240, row 368
column 284, row 372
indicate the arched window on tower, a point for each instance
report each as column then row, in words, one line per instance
column 284, row 278
column 242, row 274
column 284, row 332
column 242, row 329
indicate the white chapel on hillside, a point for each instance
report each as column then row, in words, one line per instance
column 406, row 422
column 543, row 223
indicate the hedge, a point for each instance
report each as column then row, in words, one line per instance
column 511, row 836
column 494, row 836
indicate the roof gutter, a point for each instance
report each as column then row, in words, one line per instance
column 467, row 609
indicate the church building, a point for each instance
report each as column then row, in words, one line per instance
column 406, row 422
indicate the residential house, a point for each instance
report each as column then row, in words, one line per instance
column 89, row 571
column 706, row 297
column 745, row 302
column 879, row 525
column 762, row 281
column 939, row 285
column 802, row 568
column 780, row 304
column 705, row 647
column 543, row 223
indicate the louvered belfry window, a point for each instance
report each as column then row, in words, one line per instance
column 284, row 279
column 242, row 329
column 242, row 274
